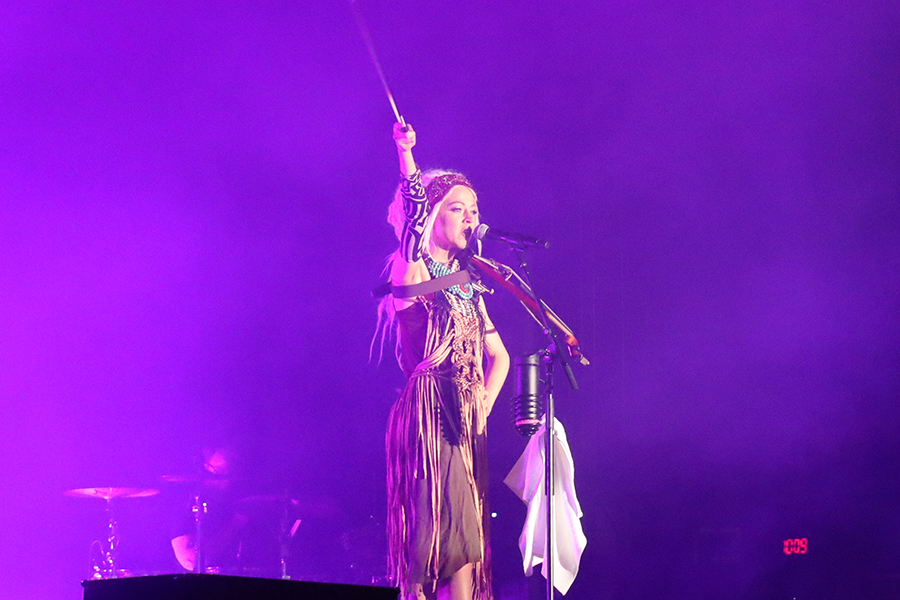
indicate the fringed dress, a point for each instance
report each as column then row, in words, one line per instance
column 436, row 446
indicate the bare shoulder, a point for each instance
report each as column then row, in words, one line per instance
column 407, row 273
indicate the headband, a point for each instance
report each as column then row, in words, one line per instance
column 438, row 187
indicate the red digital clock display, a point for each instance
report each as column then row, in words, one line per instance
column 796, row 546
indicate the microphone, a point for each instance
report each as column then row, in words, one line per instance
column 527, row 405
column 483, row 232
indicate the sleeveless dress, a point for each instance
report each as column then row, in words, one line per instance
column 436, row 446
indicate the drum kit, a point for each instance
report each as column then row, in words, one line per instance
column 277, row 512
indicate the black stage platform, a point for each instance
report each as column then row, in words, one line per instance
column 191, row 586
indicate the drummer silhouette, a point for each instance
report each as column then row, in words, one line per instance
column 209, row 530
column 227, row 523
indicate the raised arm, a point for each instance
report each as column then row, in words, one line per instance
column 407, row 267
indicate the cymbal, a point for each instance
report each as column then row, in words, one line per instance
column 201, row 479
column 269, row 499
column 180, row 478
column 316, row 507
column 108, row 493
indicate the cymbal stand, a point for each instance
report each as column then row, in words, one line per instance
column 106, row 569
column 289, row 524
column 200, row 509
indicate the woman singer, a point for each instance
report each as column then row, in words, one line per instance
column 456, row 364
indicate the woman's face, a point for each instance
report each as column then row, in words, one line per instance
column 456, row 219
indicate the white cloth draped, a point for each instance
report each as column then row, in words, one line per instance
column 526, row 480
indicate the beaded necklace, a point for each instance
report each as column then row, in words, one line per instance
column 460, row 296
column 463, row 290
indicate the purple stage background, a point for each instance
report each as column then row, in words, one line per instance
column 192, row 205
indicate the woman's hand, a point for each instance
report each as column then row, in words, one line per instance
column 405, row 141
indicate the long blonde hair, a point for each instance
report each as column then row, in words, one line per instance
column 386, row 324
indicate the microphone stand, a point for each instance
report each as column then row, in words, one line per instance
column 553, row 353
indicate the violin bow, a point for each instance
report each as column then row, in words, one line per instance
column 364, row 31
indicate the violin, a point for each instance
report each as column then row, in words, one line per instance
column 509, row 279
